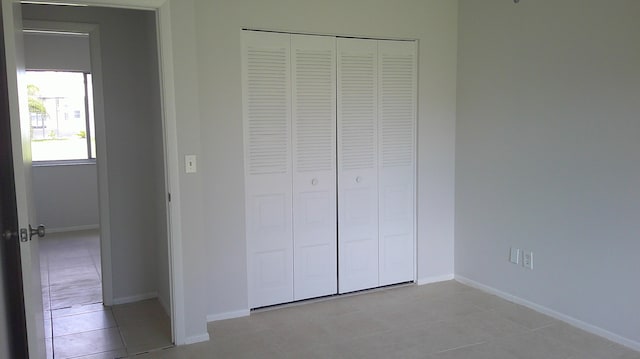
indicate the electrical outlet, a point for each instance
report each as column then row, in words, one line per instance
column 527, row 259
column 190, row 164
column 514, row 257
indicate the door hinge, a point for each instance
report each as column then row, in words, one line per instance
column 169, row 196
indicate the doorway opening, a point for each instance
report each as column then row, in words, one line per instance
column 64, row 178
column 105, row 283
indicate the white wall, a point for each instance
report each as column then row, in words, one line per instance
column 128, row 54
column 432, row 22
column 66, row 197
column 195, row 253
column 547, row 154
column 160, row 205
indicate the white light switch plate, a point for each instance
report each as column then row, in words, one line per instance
column 515, row 256
column 190, row 165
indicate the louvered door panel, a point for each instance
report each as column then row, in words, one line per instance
column 357, row 164
column 396, row 150
column 314, row 165
column 266, row 85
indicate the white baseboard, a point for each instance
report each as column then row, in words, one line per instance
column 197, row 339
column 552, row 313
column 435, row 279
column 73, row 229
column 134, row 298
column 228, row 315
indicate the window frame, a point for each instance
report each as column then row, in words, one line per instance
column 91, row 157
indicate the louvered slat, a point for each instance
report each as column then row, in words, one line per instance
column 314, row 108
column 267, row 110
column 397, row 108
column 358, row 107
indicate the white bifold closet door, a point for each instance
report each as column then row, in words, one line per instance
column 266, row 85
column 290, row 166
column 357, row 164
column 329, row 141
column 314, row 165
column 397, row 83
column 376, row 162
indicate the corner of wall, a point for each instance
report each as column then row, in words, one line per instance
column 228, row 315
column 552, row 313
column 435, row 279
column 197, row 339
column 134, row 298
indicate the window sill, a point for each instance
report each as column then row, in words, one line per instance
column 63, row 163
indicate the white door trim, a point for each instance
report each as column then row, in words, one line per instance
column 172, row 169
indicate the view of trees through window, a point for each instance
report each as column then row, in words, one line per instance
column 61, row 111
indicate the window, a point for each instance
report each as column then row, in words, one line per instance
column 61, row 111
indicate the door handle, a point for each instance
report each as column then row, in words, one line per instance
column 25, row 235
column 9, row 234
column 40, row 231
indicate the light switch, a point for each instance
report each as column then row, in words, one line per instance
column 190, row 164
column 514, row 256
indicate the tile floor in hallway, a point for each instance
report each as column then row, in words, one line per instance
column 439, row 321
column 76, row 322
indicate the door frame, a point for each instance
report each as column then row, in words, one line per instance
column 170, row 146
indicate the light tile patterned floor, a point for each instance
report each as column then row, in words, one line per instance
column 439, row 321
column 77, row 324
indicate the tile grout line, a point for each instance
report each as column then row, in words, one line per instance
column 124, row 343
column 461, row 347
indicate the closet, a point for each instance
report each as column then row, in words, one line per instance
column 329, row 141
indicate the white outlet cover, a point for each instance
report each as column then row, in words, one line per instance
column 190, row 165
column 527, row 260
column 515, row 256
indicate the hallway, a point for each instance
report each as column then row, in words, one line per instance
column 77, row 325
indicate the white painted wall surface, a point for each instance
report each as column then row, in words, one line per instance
column 547, row 154
column 195, row 254
column 127, row 48
column 66, row 197
column 160, row 205
column 432, row 22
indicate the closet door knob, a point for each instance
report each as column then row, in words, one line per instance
column 314, row 181
column 358, row 179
